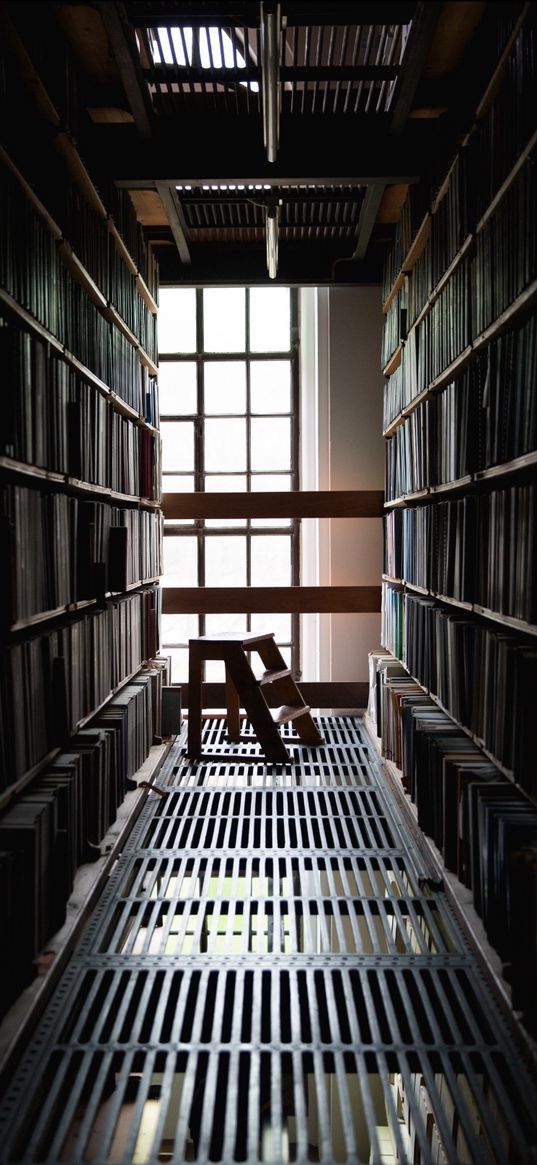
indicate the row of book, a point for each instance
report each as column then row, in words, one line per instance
column 80, row 220
column 394, row 326
column 32, row 271
column 442, row 334
column 392, row 620
column 477, row 549
column 479, row 289
column 124, row 216
column 414, row 208
column 60, row 550
column 500, row 136
column 54, row 419
column 485, row 828
column 486, row 416
column 482, row 164
column 506, row 250
column 102, row 447
column 484, row 676
column 58, row 822
column 51, row 681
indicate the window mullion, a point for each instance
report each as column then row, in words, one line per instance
column 248, row 451
column 199, row 475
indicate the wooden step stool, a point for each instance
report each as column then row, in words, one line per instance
column 243, row 689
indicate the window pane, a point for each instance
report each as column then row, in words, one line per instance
column 225, row 387
column 278, row 623
column 225, row 445
column 177, row 388
column 224, row 319
column 271, row 560
column 216, row 623
column 177, row 319
column 225, row 561
column 177, row 483
column 270, row 319
column 179, row 657
column 267, row 482
column 180, row 561
column 179, row 628
column 271, row 443
column 270, row 382
column 215, row 671
column 177, row 446
column 223, row 484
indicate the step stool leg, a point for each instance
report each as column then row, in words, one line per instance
column 233, row 712
column 194, row 700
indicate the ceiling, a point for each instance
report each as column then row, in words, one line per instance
column 218, row 116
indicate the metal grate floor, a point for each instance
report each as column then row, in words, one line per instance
column 269, row 976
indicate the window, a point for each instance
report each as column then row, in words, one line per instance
column 228, row 391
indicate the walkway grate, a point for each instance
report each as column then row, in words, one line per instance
column 268, row 977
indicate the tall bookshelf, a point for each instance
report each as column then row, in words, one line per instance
column 455, row 693
column 79, row 510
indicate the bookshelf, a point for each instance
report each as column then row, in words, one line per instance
column 454, row 690
column 80, row 517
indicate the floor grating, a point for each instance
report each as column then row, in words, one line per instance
column 270, row 976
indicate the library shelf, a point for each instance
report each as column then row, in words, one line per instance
column 393, row 362
column 444, row 278
column 506, row 620
column 89, row 880
column 513, row 313
column 12, row 791
column 122, row 249
column 516, row 310
column 7, row 795
column 85, row 373
column 59, row 613
column 82, row 276
column 507, row 182
column 448, row 487
column 460, row 895
column 491, row 88
column 26, row 317
column 505, row 469
column 517, row 466
column 67, row 148
column 474, row 608
column 77, row 267
column 508, row 773
column 31, row 195
column 414, row 251
column 404, row 499
column 26, row 470
column 85, row 720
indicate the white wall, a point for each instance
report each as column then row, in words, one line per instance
column 342, row 448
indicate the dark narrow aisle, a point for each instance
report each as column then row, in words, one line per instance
column 270, row 976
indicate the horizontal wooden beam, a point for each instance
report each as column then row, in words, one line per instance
column 219, row 149
column 253, row 600
column 328, row 694
column 296, row 504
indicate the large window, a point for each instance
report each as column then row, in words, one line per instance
column 228, row 395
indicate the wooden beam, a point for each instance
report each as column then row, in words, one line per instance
column 176, row 219
column 223, row 150
column 254, row 600
column 327, row 694
column 297, row 504
column 123, row 45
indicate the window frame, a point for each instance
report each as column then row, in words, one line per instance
column 247, row 528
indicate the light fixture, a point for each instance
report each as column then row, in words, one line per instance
column 271, row 228
column 270, row 67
